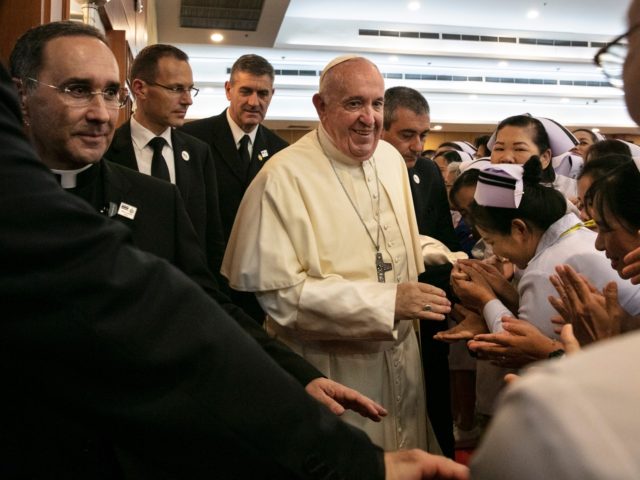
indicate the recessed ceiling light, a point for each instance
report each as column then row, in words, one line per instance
column 473, row 96
column 595, row 130
column 533, row 14
column 436, row 127
column 564, row 100
column 217, row 37
column 393, row 58
column 414, row 6
column 503, row 63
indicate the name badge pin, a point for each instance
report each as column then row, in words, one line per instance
column 185, row 155
column 416, row 178
column 127, row 211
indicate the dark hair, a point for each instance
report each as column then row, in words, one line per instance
column 455, row 146
column 428, row 153
column 253, row 64
column 482, row 140
column 26, row 57
column 606, row 147
column 540, row 139
column 617, row 194
column 593, row 136
column 402, row 97
column 468, row 178
column 602, row 165
column 539, row 208
column 450, row 156
column 145, row 65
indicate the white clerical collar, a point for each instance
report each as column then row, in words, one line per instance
column 141, row 135
column 68, row 178
column 332, row 151
column 238, row 133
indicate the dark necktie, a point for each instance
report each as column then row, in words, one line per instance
column 159, row 167
column 243, row 150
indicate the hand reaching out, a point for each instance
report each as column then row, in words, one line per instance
column 338, row 398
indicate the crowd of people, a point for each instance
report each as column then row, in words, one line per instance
column 201, row 299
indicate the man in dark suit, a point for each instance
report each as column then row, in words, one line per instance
column 151, row 208
column 162, row 82
column 249, row 91
column 406, row 125
column 110, row 377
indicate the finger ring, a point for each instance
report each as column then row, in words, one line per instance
column 427, row 308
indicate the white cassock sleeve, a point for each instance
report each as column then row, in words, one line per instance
column 334, row 309
column 434, row 252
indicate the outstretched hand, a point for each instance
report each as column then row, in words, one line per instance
column 420, row 465
column 469, row 325
column 338, row 398
column 519, row 344
column 413, row 298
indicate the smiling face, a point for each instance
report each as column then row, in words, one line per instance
column 249, row 98
column 516, row 145
column 585, row 140
column 518, row 247
column 614, row 239
column 407, row 133
column 350, row 107
column 70, row 137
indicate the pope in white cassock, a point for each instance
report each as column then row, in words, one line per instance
column 326, row 236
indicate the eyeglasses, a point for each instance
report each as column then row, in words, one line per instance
column 192, row 91
column 80, row 95
column 612, row 56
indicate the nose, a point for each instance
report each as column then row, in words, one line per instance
column 600, row 242
column 97, row 110
column 186, row 98
column 253, row 99
column 502, row 157
column 367, row 115
column 416, row 144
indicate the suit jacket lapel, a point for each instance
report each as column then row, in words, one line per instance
column 257, row 157
column 182, row 158
column 116, row 190
column 226, row 147
column 121, row 150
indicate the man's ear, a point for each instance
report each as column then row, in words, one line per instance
column 227, row 89
column 139, row 88
column 320, row 105
column 22, row 96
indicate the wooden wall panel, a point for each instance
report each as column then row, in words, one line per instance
column 18, row 16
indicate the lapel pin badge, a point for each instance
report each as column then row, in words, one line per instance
column 185, row 155
column 416, row 178
column 263, row 154
column 127, row 211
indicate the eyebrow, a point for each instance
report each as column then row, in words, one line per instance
column 515, row 143
column 87, row 81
